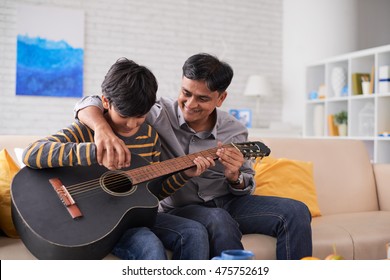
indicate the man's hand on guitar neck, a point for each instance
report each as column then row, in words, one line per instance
column 232, row 159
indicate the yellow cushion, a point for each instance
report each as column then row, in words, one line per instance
column 8, row 169
column 287, row 178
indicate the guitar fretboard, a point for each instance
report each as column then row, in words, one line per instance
column 150, row 172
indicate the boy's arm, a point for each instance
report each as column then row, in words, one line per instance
column 172, row 184
column 110, row 150
column 178, row 180
column 69, row 147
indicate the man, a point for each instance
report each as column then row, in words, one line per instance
column 221, row 197
column 129, row 91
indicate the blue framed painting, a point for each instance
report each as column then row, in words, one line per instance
column 243, row 115
column 50, row 51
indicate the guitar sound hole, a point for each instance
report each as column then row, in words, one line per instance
column 117, row 183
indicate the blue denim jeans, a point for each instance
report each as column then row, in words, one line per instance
column 187, row 239
column 139, row 243
column 227, row 218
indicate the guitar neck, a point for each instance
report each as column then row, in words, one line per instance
column 153, row 171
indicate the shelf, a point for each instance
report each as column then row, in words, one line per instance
column 334, row 85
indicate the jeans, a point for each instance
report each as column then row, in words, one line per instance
column 187, row 239
column 139, row 243
column 227, row 218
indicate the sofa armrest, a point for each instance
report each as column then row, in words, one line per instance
column 382, row 178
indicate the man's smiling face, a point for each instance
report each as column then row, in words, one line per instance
column 198, row 103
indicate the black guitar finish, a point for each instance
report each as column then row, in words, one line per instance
column 49, row 231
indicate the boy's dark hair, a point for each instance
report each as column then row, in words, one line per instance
column 205, row 67
column 130, row 88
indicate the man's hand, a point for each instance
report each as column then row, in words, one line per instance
column 110, row 150
column 202, row 164
column 232, row 159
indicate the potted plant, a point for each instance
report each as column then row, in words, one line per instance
column 341, row 120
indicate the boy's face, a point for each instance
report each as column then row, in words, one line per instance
column 123, row 125
column 197, row 103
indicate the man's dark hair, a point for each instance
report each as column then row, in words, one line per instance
column 205, row 67
column 130, row 88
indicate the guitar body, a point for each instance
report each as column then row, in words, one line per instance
column 48, row 229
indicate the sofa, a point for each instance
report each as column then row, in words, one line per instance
column 353, row 196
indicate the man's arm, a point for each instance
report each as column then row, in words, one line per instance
column 110, row 150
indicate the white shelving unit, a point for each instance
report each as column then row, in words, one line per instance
column 317, row 110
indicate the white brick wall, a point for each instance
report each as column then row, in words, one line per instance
column 159, row 34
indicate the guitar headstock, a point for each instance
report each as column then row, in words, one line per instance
column 252, row 150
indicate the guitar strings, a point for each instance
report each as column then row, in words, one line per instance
column 118, row 181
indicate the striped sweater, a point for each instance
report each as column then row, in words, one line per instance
column 74, row 146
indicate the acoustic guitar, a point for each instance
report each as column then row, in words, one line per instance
column 81, row 212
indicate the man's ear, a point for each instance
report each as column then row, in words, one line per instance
column 222, row 96
column 106, row 103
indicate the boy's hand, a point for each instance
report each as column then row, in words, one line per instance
column 201, row 165
column 110, row 150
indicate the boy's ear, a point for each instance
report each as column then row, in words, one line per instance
column 106, row 103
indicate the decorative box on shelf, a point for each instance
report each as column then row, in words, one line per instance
column 384, row 79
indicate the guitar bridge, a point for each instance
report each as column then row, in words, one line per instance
column 66, row 198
